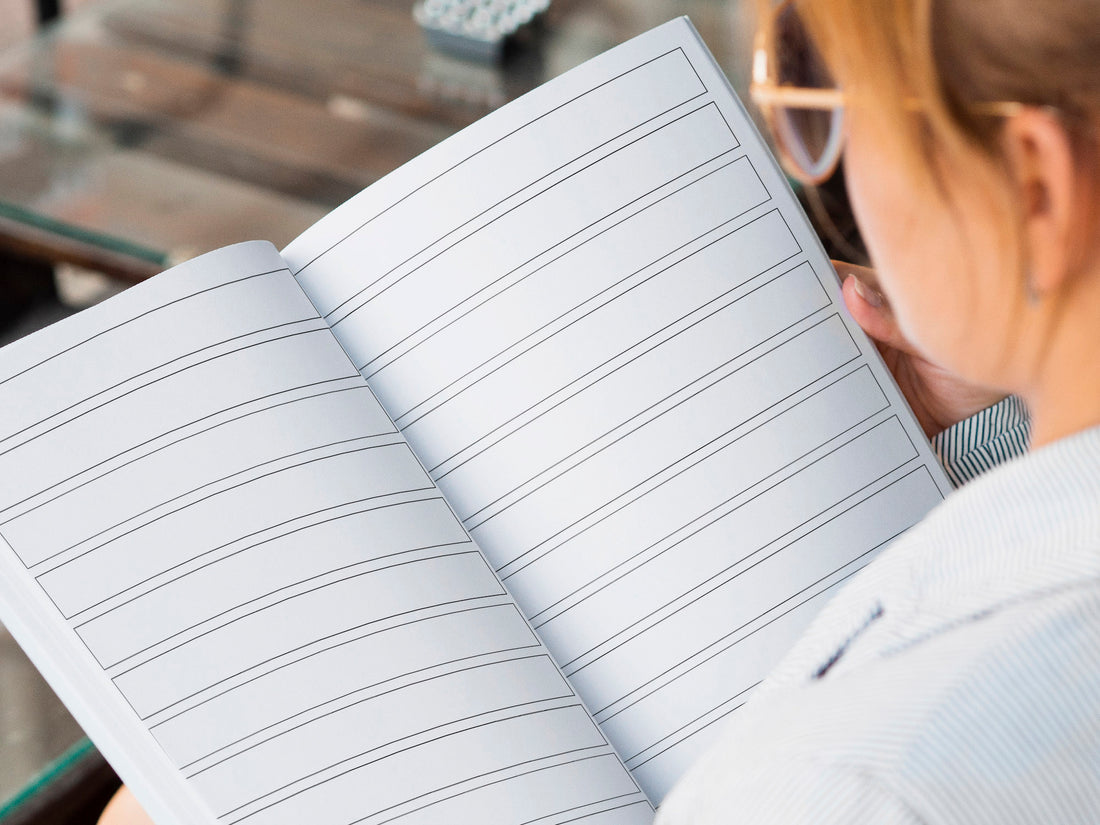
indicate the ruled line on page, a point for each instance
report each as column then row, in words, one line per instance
column 707, row 582
column 551, row 271
column 590, row 739
column 511, row 570
column 237, row 609
column 575, row 229
column 162, row 447
column 142, row 374
column 715, row 581
column 182, row 564
column 651, row 207
column 724, row 360
column 68, row 584
column 761, row 627
column 472, row 801
column 327, row 754
column 354, row 377
column 106, row 331
column 202, row 363
column 477, row 802
column 173, row 594
column 645, row 810
column 525, row 397
column 672, row 328
column 469, row 554
column 904, row 484
column 326, row 457
column 562, row 467
column 679, row 97
column 635, row 764
column 510, row 770
column 163, row 406
column 200, row 730
column 246, row 476
column 773, row 407
column 704, row 719
column 591, row 813
column 725, row 509
column 495, row 664
column 530, row 231
column 196, row 333
column 204, row 688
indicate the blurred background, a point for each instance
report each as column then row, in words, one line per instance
column 135, row 134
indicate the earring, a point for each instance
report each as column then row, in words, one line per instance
column 1030, row 292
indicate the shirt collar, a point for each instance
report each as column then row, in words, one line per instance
column 1029, row 527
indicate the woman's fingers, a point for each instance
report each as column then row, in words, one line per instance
column 871, row 312
column 869, row 308
column 124, row 810
column 938, row 398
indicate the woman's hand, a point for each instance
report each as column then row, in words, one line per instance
column 124, row 810
column 938, row 398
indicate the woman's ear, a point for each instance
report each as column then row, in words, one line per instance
column 1052, row 196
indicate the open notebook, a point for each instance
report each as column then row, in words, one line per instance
column 487, row 500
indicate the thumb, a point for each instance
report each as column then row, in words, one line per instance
column 869, row 308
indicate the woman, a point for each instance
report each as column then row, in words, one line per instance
column 958, row 678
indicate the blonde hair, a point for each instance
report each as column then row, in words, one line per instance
column 953, row 56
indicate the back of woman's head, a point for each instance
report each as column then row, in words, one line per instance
column 930, row 70
column 952, row 56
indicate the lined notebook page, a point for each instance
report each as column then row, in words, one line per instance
column 249, row 591
column 605, row 327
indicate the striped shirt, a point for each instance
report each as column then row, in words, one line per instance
column 983, row 441
column 955, row 680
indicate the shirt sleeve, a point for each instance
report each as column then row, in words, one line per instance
column 986, row 439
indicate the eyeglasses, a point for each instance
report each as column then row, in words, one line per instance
column 801, row 102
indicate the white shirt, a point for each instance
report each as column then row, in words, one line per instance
column 956, row 680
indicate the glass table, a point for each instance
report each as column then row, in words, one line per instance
column 136, row 134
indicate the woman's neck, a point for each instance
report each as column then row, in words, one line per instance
column 1065, row 397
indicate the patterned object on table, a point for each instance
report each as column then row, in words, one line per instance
column 475, row 29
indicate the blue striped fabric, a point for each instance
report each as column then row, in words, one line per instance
column 983, row 441
column 966, row 680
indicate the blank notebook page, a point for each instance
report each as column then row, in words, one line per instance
column 248, row 589
column 605, row 326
